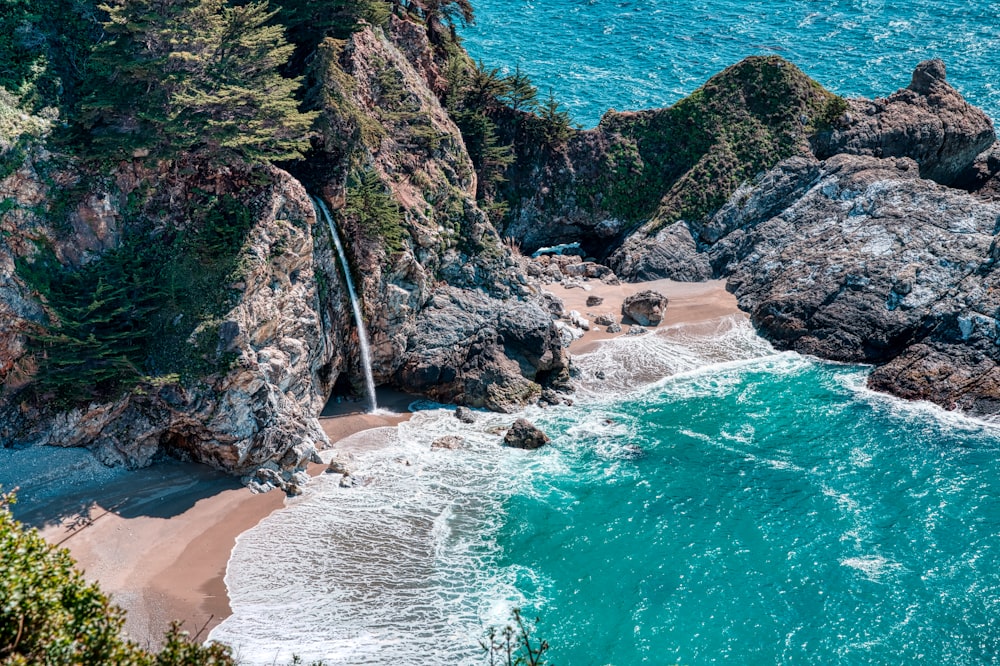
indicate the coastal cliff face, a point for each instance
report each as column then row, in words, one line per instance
column 264, row 360
column 871, row 240
column 439, row 286
column 855, row 230
column 238, row 383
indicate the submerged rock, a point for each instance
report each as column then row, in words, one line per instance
column 524, row 435
column 449, row 442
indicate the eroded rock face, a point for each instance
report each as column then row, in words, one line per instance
column 928, row 121
column 474, row 350
column 260, row 413
column 858, row 259
column 445, row 306
column 645, row 308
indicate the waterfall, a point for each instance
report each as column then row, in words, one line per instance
column 366, row 353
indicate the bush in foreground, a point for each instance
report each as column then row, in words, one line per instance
column 50, row 615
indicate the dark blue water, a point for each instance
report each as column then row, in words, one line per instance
column 635, row 54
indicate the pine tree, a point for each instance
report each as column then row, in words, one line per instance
column 309, row 21
column 554, row 122
column 520, row 94
column 193, row 75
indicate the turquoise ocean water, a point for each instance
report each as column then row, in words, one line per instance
column 636, row 54
column 752, row 507
column 749, row 507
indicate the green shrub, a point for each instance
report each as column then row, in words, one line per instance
column 49, row 615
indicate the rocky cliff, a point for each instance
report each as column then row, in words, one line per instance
column 238, row 382
column 868, row 237
column 856, row 230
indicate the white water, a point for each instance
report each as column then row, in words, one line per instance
column 402, row 569
column 366, row 354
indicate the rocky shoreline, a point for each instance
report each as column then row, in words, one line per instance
column 857, row 230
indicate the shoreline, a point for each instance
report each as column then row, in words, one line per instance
column 158, row 540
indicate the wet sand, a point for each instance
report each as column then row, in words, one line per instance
column 158, row 540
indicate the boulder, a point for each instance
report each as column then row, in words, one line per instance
column 606, row 319
column 578, row 320
column 645, row 308
column 448, row 442
column 859, row 259
column 471, row 349
column 338, row 467
column 524, row 435
column 593, row 301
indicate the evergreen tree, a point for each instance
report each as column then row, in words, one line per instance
column 554, row 122
column 520, row 95
column 193, row 75
column 309, row 21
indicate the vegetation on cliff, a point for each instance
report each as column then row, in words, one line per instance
column 145, row 311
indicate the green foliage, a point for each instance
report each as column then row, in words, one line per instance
column 43, row 47
column 18, row 131
column 683, row 162
column 98, row 330
column 401, row 110
column 475, row 96
column 50, row 615
column 520, row 94
column 192, row 76
column 374, row 210
column 515, row 644
column 551, row 124
column 145, row 310
column 310, row 21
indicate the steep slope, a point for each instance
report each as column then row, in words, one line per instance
column 194, row 308
column 447, row 305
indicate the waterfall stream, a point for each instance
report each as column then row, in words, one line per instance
column 366, row 354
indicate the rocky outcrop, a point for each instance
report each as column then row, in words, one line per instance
column 928, row 121
column 444, row 306
column 859, row 259
column 524, row 435
column 652, row 170
column 646, row 308
column 258, row 417
column 469, row 348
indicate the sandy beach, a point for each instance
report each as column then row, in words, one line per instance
column 688, row 303
column 158, row 540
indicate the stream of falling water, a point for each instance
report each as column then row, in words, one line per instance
column 366, row 354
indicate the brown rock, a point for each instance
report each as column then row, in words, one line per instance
column 524, row 435
column 645, row 308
